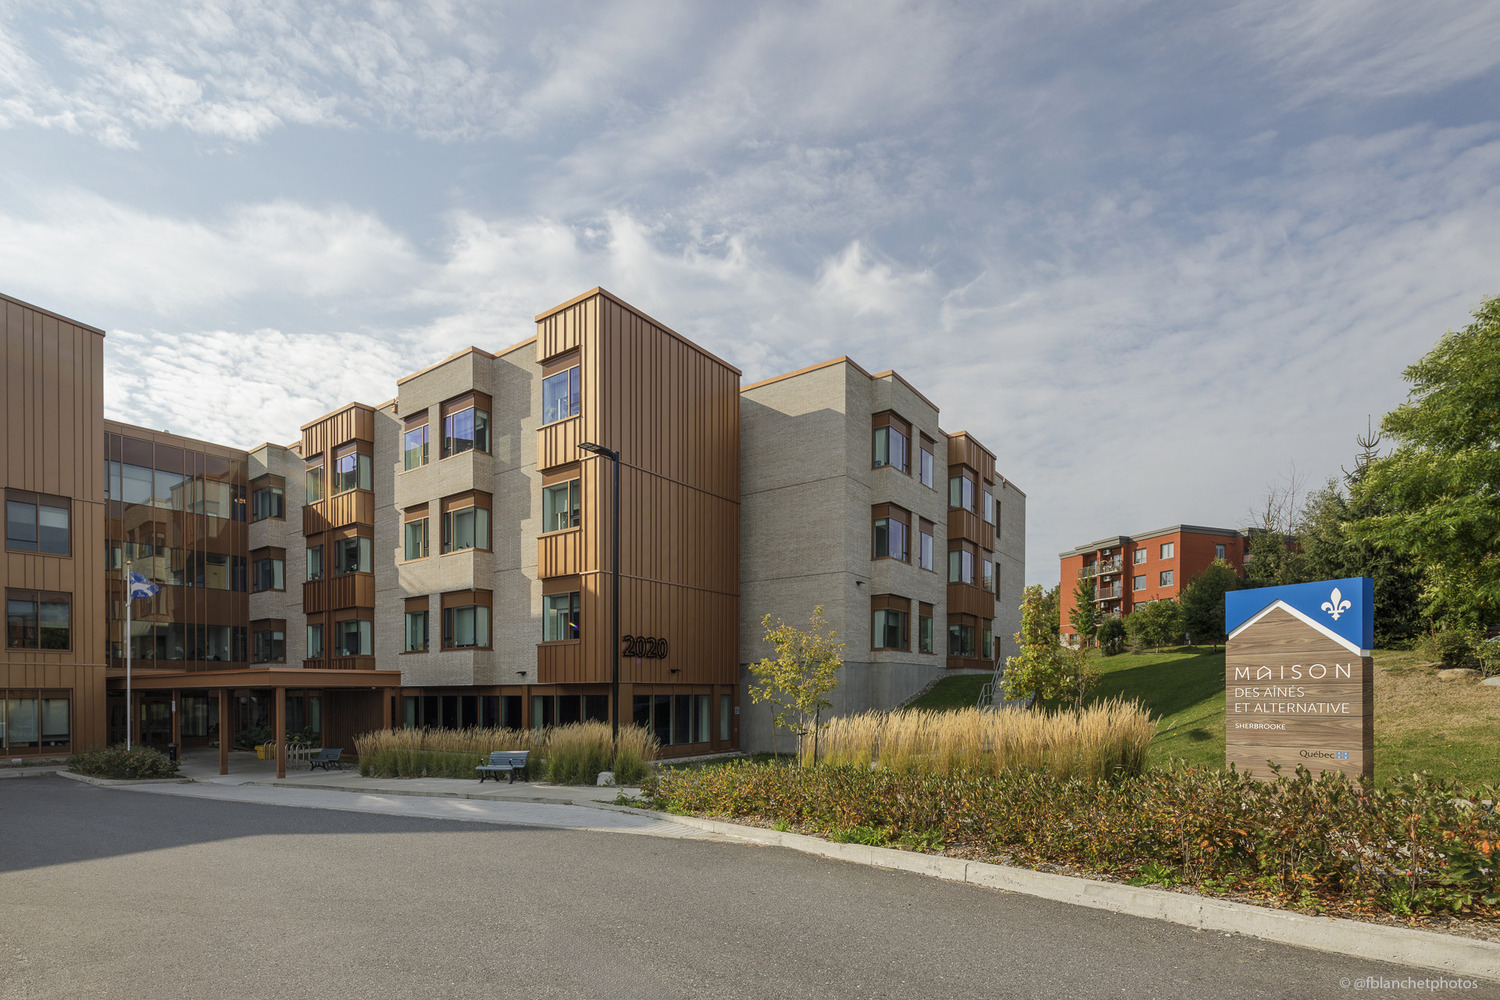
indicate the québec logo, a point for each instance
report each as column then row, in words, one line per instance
column 1336, row 605
column 1325, row 754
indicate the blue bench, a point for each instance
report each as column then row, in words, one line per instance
column 509, row 761
column 326, row 758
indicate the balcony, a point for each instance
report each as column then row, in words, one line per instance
column 1110, row 565
column 1107, row 593
column 1087, row 572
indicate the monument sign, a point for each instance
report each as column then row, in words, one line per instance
column 1298, row 677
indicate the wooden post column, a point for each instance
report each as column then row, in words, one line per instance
column 177, row 720
column 226, row 730
column 385, row 701
column 281, row 730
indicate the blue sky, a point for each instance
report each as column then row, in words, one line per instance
column 1192, row 245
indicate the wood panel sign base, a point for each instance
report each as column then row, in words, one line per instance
column 1298, row 678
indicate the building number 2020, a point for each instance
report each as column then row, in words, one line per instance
column 646, row 647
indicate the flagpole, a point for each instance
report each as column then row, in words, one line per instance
column 127, row 655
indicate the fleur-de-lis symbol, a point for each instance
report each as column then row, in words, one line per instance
column 1335, row 605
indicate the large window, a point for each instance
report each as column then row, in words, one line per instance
column 961, row 492
column 960, row 639
column 891, row 448
column 315, row 563
column 351, row 471
column 889, row 630
column 267, row 501
column 560, row 395
column 960, row 566
column 560, row 617
column 414, row 446
column 315, row 482
column 890, row 534
column 466, row 429
column 560, row 506
column 416, row 538
column 416, row 632
column 268, row 645
column 353, row 638
column 37, row 524
column 352, row 555
column 268, row 573
column 38, row 620
column 1168, row 550
column 466, row 627
column 33, row 720
column 466, row 527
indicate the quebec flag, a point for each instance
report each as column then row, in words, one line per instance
column 141, row 587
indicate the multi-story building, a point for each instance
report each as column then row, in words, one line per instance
column 445, row 558
column 855, row 500
column 1127, row 570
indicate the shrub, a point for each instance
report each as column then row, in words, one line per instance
column 1456, row 647
column 118, row 762
column 1421, row 845
column 1102, row 741
column 1112, row 635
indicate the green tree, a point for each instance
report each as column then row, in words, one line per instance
column 1037, row 670
column 1442, row 481
column 1084, row 614
column 1052, row 608
column 798, row 680
column 1203, row 602
column 1275, row 556
column 1112, row 636
column 1155, row 623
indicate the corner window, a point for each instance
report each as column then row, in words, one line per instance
column 37, row 524
column 890, row 537
column 560, row 395
column 464, row 430
column 268, row 646
column 416, row 632
column 1166, row 578
column 351, row 472
column 891, row 448
column 466, row 627
column 889, row 630
column 1168, row 550
column 315, row 482
column 960, row 639
column 314, row 641
column 414, row 446
column 960, row 566
column 38, row 620
column 560, row 506
column 268, row 573
column 416, row 538
column 267, row 501
column 352, row 555
column 961, row 492
column 560, row 617
column 466, row 522
column 315, row 563
column 353, row 638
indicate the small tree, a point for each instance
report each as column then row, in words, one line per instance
column 1037, row 670
column 1052, row 608
column 798, row 680
column 1155, row 623
column 1203, row 601
column 1084, row 614
column 1112, row 636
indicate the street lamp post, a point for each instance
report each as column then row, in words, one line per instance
column 613, row 456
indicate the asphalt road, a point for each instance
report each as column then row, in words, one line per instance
column 110, row 892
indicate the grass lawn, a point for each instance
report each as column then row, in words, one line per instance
column 1448, row 729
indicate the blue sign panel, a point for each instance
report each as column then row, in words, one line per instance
column 1344, row 607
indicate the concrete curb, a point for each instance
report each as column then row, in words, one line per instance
column 1376, row 942
column 383, row 790
column 119, row 782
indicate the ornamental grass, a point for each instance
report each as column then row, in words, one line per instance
column 571, row 754
column 1104, row 741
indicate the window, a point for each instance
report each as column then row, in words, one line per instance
column 1140, row 557
column 351, row 471
column 1140, row 582
column 960, row 566
column 1166, row 578
column 889, row 630
column 38, row 620
column 466, row 429
column 416, row 538
column 315, row 563
column 560, row 617
column 414, row 446
column 891, row 449
column 352, row 555
column 991, row 512
column 987, row 577
column 314, row 641
column 33, row 719
column 961, row 492
column 267, row 501
column 315, row 482
column 268, row 646
column 924, row 629
column 560, row 506
column 926, row 556
column 928, row 465
column 1219, row 551
column 467, row 526
column 353, row 638
column 560, row 395
column 891, row 530
column 416, row 632
column 987, row 638
column 37, row 524
column 1168, row 549
column 267, row 573
column 960, row 639
column 466, row 627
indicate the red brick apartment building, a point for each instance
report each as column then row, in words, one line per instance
column 1156, row 565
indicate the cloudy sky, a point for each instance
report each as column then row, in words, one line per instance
column 1183, row 247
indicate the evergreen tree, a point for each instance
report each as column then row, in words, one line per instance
column 1203, row 602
